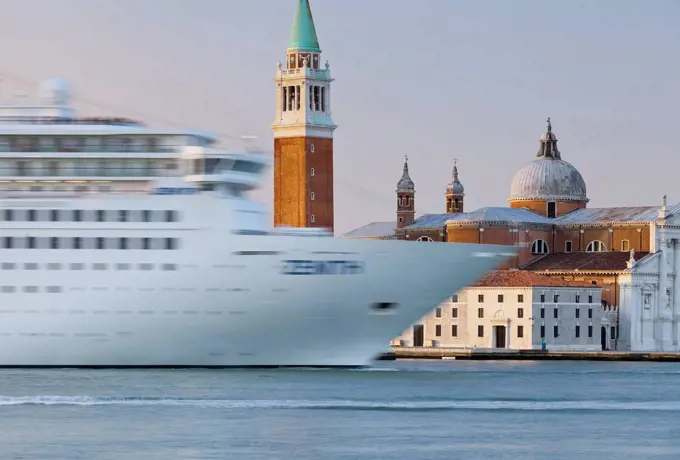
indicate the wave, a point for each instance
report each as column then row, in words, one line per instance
column 442, row 405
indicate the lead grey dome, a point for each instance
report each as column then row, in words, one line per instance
column 548, row 177
column 405, row 184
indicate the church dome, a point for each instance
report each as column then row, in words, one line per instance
column 455, row 187
column 548, row 177
column 405, row 184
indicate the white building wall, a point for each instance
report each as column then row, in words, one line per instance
column 522, row 312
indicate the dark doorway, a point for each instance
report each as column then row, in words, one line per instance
column 499, row 334
column 603, row 337
column 418, row 335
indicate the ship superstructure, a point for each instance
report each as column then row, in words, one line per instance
column 122, row 245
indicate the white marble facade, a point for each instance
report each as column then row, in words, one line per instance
column 649, row 309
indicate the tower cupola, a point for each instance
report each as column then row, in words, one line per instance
column 406, row 193
column 455, row 192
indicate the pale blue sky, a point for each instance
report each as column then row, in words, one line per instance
column 436, row 79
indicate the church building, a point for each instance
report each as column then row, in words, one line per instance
column 631, row 253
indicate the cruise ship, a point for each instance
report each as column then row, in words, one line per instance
column 127, row 246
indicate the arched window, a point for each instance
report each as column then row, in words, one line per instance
column 539, row 247
column 596, row 246
column 425, row 238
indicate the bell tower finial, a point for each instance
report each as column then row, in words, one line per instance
column 455, row 192
column 549, row 125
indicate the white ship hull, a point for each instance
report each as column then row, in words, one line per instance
column 229, row 302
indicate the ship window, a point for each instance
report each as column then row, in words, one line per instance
column 146, row 267
column 100, row 216
column 30, row 289
column 30, row 242
column 99, row 266
column 8, row 265
column 146, row 243
column 9, row 215
column 123, row 243
column 9, row 242
column 169, row 267
column 54, row 243
column 7, row 289
column 54, row 289
column 54, row 215
column 77, row 215
column 625, row 245
column 171, row 243
column 77, row 266
column 122, row 266
column 100, row 243
column 171, row 216
column 32, row 215
column 54, row 266
column 122, row 216
column 146, row 216
column 30, row 266
column 77, row 243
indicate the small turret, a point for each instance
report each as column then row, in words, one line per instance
column 406, row 192
column 455, row 192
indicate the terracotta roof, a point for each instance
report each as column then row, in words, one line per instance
column 583, row 261
column 523, row 278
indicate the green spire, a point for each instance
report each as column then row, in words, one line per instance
column 303, row 35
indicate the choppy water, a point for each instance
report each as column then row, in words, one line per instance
column 399, row 410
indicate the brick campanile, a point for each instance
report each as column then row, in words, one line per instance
column 303, row 131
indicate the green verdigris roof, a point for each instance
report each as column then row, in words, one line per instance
column 303, row 36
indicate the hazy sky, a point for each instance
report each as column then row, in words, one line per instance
column 434, row 79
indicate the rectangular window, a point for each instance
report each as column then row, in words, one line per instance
column 54, row 243
column 77, row 243
column 313, row 218
column 480, row 331
column 54, row 215
column 100, row 216
column 122, row 216
column 146, row 216
column 500, row 298
column 480, row 298
column 99, row 267
column 590, row 313
column 9, row 215
column 123, row 243
column 625, row 246
column 77, row 215
column 312, row 196
column 438, row 312
column 146, row 267
column 480, row 313
column 590, row 298
column 170, row 216
column 578, row 313
column 122, row 266
column 54, row 266
column 312, row 172
column 556, row 331
column 520, row 298
column 556, row 298
column 567, row 246
column 555, row 313
column 454, row 298
column 613, row 332
column 551, row 209
column 438, row 330
column 32, row 215
column 30, row 266
column 590, row 331
column 542, row 298
column 542, row 332
column 578, row 331
column 454, row 330
column 578, row 298
column 171, row 243
column 146, row 243
column 520, row 331
column 169, row 267
column 30, row 242
column 542, row 312
column 520, row 312
column 100, row 243
column 454, row 313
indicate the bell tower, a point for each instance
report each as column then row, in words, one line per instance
column 406, row 198
column 303, row 131
column 455, row 193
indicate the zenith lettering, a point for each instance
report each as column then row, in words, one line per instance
column 322, row 267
